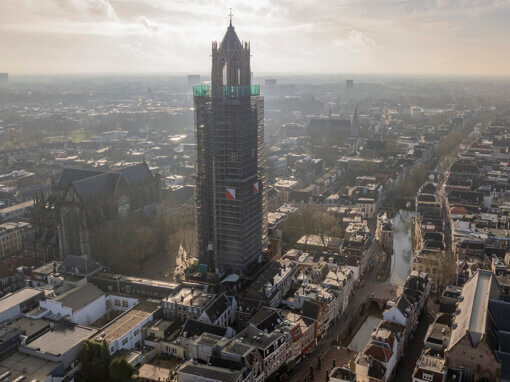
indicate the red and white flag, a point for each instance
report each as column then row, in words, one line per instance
column 255, row 187
column 231, row 193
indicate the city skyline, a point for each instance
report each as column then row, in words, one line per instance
column 142, row 36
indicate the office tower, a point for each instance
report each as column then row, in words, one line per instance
column 229, row 129
column 349, row 84
column 270, row 82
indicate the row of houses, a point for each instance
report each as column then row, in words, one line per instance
column 468, row 339
column 379, row 359
column 430, row 252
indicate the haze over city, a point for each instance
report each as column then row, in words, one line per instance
column 461, row 37
column 254, row 191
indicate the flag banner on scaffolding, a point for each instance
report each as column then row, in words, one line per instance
column 231, row 193
column 255, row 187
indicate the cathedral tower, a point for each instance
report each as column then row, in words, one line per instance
column 229, row 129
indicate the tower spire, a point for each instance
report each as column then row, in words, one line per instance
column 230, row 15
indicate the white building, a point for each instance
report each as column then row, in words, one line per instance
column 81, row 305
column 13, row 305
column 125, row 331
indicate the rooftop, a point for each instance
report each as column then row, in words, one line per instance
column 9, row 226
column 191, row 296
column 431, row 363
column 343, row 374
column 235, row 346
column 319, row 241
column 60, row 339
column 18, row 297
column 258, row 338
column 78, row 265
column 33, row 368
column 79, row 297
column 29, row 325
column 18, row 206
column 136, row 280
column 47, row 268
column 127, row 321
column 473, row 307
column 193, row 328
column 210, row 372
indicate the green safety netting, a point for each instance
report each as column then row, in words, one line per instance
column 201, row 91
column 229, row 91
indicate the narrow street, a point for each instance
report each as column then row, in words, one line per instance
column 326, row 350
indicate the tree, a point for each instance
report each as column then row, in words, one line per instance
column 120, row 370
column 412, row 182
column 311, row 221
column 94, row 358
column 143, row 238
column 441, row 268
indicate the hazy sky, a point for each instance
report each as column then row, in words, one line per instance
column 333, row 36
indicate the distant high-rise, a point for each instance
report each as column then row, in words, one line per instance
column 349, row 84
column 229, row 129
column 193, row 79
column 4, row 78
column 270, row 82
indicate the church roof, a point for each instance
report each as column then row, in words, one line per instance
column 70, row 175
column 472, row 310
column 91, row 184
column 230, row 40
column 136, row 173
column 95, row 186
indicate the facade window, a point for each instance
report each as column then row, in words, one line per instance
column 125, row 303
column 124, row 341
column 112, row 350
column 117, row 302
column 428, row 377
column 136, row 332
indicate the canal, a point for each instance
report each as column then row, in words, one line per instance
column 363, row 334
column 402, row 246
column 400, row 269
